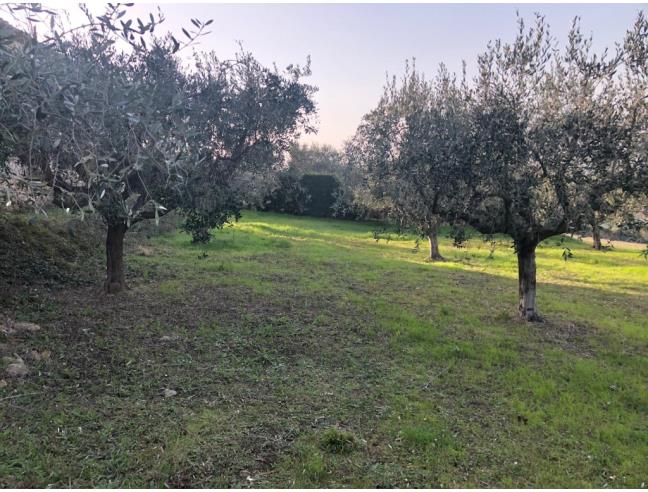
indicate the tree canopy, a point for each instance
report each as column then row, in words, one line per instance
column 413, row 150
column 115, row 123
column 532, row 147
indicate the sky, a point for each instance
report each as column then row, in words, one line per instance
column 353, row 46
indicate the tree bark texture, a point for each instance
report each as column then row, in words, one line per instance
column 527, row 309
column 115, row 278
column 596, row 236
column 435, row 255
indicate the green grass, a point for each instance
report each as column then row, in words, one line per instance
column 306, row 354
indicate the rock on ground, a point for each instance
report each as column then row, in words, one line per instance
column 10, row 327
column 17, row 369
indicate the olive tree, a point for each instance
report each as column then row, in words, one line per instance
column 21, row 70
column 555, row 130
column 614, row 194
column 244, row 117
column 413, row 148
column 97, row 120
column 119, row 128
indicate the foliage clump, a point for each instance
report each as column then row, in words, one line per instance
column 315, row 182
column 339, row 441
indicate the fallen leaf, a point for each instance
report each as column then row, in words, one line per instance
column 5, row 328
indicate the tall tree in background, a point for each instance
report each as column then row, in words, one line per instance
column 313, row 182
column 315, row 159
column 414, row 147
column 244, row 117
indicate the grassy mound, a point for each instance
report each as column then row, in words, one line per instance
column 39, row 250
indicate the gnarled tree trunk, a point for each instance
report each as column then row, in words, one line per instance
column 596, row 235
column 115, row 278
column 527, row 282
column 435, row 255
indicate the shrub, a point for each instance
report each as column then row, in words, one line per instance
column 322, row 190
column 339, row 441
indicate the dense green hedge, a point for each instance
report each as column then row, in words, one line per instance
column 312, row 194
column 289, row 197
column 322, row 190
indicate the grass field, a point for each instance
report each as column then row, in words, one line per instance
column 304, row 353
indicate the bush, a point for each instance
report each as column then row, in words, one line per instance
column 311, row 194
column 338, row 441
column 322, row 190
column 289, row 197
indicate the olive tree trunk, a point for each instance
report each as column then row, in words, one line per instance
column 596, row 236
column 527, row 282
column 435, row 255
column 115, row 278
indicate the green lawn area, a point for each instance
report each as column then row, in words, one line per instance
column 306, row 354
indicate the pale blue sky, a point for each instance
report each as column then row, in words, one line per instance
column 353, row 46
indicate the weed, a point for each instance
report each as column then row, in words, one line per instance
column 338, row 441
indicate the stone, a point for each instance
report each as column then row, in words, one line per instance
column 10, row 327
column 17, row 370
column 34, row 355
column 24, row 326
